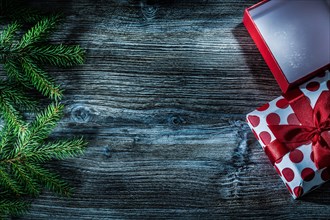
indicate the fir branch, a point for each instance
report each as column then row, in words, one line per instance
column 30, row 185
column 7, row 182
column 14, row 72
column 17, row 96
column 23, row 146
column 20, row 170
column 8, row 34
column 42, row 126
column 59, row 150
column 10, row 114
column 39, row 32
column 7, row 137
column 40, row 80
column 12, row 207
column 57, row 55
column 49, row 179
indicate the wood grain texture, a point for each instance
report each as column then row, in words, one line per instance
column 162, row 100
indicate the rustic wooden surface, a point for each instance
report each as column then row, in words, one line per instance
column 162, row 100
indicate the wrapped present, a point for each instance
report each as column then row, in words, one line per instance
column 294, row 131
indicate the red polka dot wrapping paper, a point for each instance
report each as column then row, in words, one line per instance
column 296, row 168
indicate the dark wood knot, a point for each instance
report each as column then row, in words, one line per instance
column 176, row 120
column 107, row 151
column 148, row 11
column 81, row 114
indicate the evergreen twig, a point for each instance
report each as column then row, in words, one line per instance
column 22, row 58
column 12, row 207
column 24, row 144
column 22, row 155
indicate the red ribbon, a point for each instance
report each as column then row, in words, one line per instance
column 314, row 128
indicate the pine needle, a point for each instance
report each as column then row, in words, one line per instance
column 24, row 144
column 30, row 184
column 9, row 183
column 43, row 125
column 8, row 34
column 20, row 169
column 39, row 32
column 50, row 180
column 60, row 150
column 14, row 72
column 41, row 81
column 58, row 55
column 17, row 96
column 6, row 138
column 12, row 207
column 10, row 114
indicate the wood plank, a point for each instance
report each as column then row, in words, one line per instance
column 162, row 99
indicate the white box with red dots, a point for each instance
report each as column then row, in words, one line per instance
column 296, row 168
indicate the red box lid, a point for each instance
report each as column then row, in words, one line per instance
column 292, row 36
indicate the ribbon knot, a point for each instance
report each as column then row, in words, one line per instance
column 314, row 128
column 317, row 136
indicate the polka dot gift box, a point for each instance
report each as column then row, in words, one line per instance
column 294, row 131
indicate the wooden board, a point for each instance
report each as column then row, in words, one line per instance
column 162, row 100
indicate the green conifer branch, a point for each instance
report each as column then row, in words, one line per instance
column 29, row 184
column 58, row 55
column 6, row 138
column 14, row 72
column 8, row 34
column 41, row 127
column 21, row 171
column 39, row 32
column 24, row 147
column 41, row 81
column 50, row 180
column 21, row 59
column 17, row 96
column 60, row 150
column 12, row 207
column 7, row 182
column 9, row 113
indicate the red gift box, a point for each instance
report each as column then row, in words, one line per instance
column 292, row 36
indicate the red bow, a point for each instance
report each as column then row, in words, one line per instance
column 314, row 128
